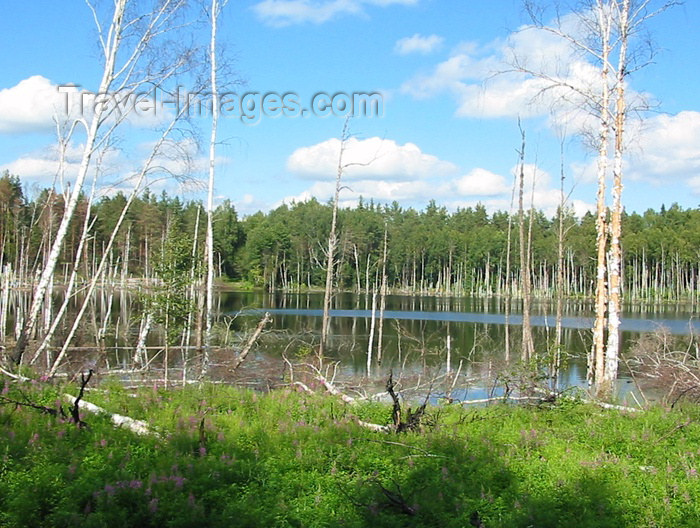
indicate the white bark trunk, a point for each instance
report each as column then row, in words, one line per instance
column 113, row 43
column 597, row 355
column 615, row 255
column 210, row 194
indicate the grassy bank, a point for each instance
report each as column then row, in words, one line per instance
column 229, row 458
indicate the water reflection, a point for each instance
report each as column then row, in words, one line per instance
column 416, row 329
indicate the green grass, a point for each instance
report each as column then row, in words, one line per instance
column 232, row 458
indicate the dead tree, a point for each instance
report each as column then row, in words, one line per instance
column 128, row 40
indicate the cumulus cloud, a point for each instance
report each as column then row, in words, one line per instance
column 489, row 81
column 494, row 191
column 372, row 158
column 289, row 12
column 35, row 104
column 667, row 148
column 405, row 174
column 481, row 182
column 418, row 44
column 31, row 105
column 42, row 166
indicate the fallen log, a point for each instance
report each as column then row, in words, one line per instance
column 135, row 426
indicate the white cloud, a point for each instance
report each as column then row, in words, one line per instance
column 667, row 149
column 380, row 191
column 288, row 12
column 30, row 106
column 405, row 174
column 373, row 158
column 35, row 104
column 488, row 81
column 663, row 150
column 494, row 192
column 42, row 166
column 481, row 182
column 418, row 44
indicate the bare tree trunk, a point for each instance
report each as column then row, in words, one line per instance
column 108, row 250
column 140, row 357
column 508, row 285
column 215, row 11
column 370, row 342
column 597, row 356
column 615, row 252
column 125, row 263
column 527, row 344
column 141, row 30
column 111, row 47
column 6, row 277
column 192, row 294
column 382, row 299
column 87, row 224
column 332, row 243
column 556, row 363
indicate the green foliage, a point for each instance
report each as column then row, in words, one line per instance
column 227, row 457
column 170, row 301
column 431, row 250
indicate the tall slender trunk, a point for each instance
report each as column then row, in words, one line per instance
column 111, row 49
column 215, row 8
column 332, row 244
column 508, row 283
column 556, row 363
column 382, row 299
column 615, row 252
column 527, row 345
column 597, row 355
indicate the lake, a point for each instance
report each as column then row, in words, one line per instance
column 416, row 330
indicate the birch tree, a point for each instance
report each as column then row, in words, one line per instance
column 128, row 36
column 604, row 32
column 216, row 7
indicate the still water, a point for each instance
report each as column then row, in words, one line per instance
column 416, row 330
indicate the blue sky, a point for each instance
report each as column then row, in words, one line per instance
column 448, row 129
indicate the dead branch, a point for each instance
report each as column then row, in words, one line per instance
column 413, row 418
column 18, row 377
column 251, row 341
column 395, row 499
column 59, row 411
column 44, row 409
column 396, row 408
column 676, row 428
column 422, row 451
column 75, row 408
column 667, row 363
column 328, row 385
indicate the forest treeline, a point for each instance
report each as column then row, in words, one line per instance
column 431, row 251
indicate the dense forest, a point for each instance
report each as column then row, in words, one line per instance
column 432, row 251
